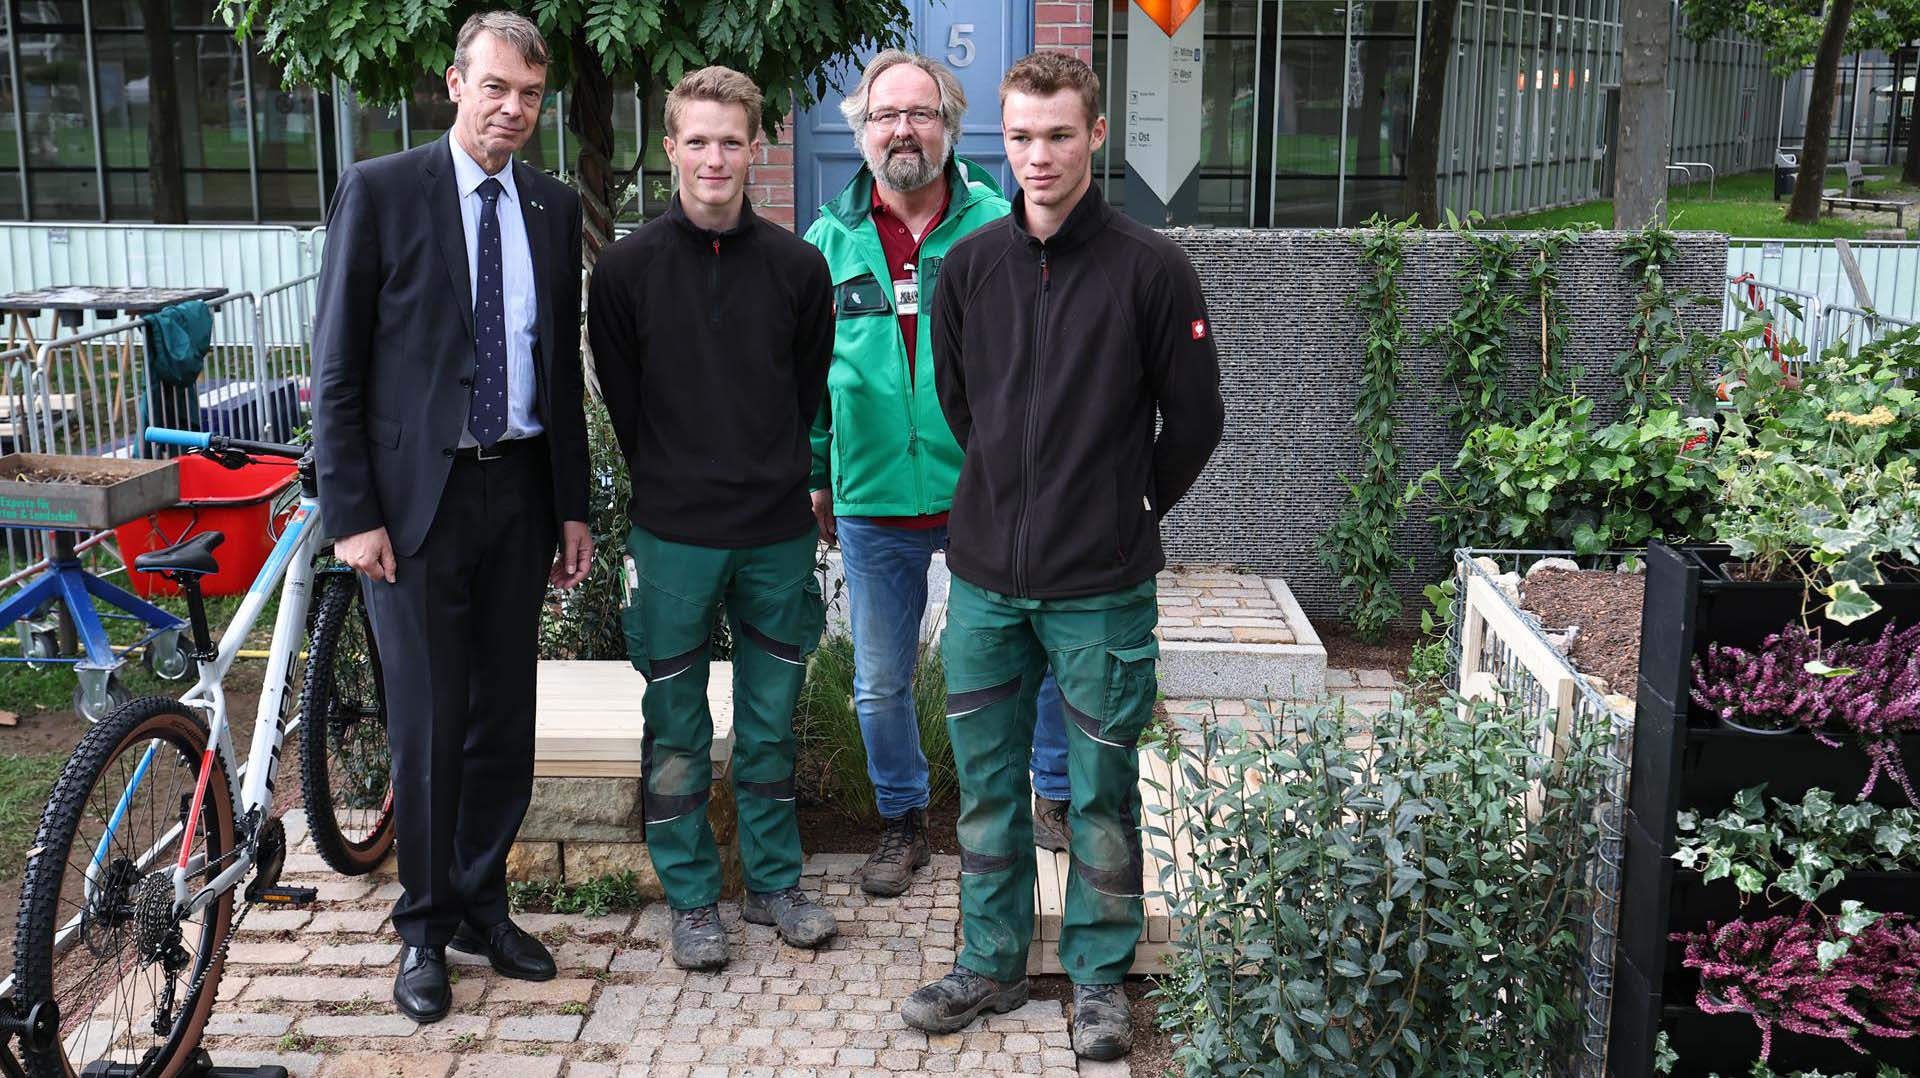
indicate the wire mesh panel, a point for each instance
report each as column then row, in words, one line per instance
column 1499, row 648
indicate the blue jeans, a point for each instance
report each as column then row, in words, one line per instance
column 886, row 573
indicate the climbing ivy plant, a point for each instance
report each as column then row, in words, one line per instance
column 1474, row 340
column 1542, row 273
column 1359, row 545
column 1659, row 365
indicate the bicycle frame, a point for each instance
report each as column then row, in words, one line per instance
column 251, row 785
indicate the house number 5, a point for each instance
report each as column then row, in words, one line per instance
column 959, row 45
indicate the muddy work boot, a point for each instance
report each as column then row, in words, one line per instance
column 903, row 848
column 1102, row 1025
column 1051, row 831
column 698, row 940
column 798, row 919
column 952, row 1002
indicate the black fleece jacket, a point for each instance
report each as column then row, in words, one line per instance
column 711, row 349
column 1052, row 360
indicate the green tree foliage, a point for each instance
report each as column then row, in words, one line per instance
column 792, row 48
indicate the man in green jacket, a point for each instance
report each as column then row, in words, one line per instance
column 884, row 460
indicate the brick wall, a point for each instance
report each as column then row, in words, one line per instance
column 770, row 180
column 1064, row 27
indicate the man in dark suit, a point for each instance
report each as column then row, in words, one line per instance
column 452, row 458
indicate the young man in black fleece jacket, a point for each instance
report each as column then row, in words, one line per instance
column 711, row 333
column 1059, row 333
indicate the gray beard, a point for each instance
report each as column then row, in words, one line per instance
column 902, row 173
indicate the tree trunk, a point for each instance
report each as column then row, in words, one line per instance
column 1805, row 208
column 590, row 118
column 1376, row 54
column 1911, row 172
column 1640, row 146
column 166, row 175
column 1423, row 143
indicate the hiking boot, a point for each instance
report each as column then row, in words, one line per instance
column 952, row 1002
column 903, row 848
column 1051, row 831
column 1102, row 1025
column 698, row 940
column 798, row 919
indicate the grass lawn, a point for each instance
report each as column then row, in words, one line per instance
column 24, row 784
column 1742, row 207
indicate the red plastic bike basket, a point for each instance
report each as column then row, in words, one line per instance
column 236, row 502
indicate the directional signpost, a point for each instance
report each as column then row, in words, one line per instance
column 1162, row 128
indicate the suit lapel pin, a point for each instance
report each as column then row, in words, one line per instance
column 534, row 204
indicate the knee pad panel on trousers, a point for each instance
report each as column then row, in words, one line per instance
column 1116, row 842
column 672, row 784
column 787, row 653
column 662, row 669
column 966, row 703
column 778, row 790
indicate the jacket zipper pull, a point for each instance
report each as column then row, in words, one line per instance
column 716, row 245
column 1046, row 278
column 913, row 442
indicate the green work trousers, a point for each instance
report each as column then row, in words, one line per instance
column 1102, row 652
column 774, row 609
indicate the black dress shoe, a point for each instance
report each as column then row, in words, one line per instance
column 513, row 951
column 421, row 989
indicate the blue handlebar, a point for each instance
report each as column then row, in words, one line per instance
column 189, row 438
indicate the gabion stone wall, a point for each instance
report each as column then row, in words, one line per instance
column 1289, row 340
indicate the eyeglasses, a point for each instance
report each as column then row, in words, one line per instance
column 884, row 118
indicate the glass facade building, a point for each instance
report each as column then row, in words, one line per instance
column 1307, row 111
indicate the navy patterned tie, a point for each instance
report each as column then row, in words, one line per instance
column 487, row 414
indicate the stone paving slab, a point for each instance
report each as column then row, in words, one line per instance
column 312, row 990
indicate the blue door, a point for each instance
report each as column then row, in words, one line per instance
column 978, row 40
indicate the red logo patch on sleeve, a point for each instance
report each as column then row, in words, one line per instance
column 1199, row 328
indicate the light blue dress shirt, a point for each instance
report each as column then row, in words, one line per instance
column 516, row 266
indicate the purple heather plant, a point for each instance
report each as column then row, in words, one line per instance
column 1775, row 972
column 1871, row 690
column 1769, row 688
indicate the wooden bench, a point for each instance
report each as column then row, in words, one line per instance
column 1829, row 203
column 588, row 723
column 1856, row 181
column 1160, row 934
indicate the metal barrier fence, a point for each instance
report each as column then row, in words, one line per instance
column 1889, row 268
column 1496, row 645
column 92, row 393
column 1851, row 328
column 245, row 258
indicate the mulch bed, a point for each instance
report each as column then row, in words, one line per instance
column 1348, row 652
column 1605, row 607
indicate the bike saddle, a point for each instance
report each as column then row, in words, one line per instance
column 193, row 555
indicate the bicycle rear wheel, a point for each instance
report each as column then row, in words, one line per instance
column 97, row 932
column 346, row 770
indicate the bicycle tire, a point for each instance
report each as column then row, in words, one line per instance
column 339, row 705
column 49, row 888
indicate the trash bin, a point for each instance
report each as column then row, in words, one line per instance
column 1785, row 167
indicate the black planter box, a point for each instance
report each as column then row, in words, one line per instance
column 1719, row 763
column 1727, row 1044
column 1684, row 759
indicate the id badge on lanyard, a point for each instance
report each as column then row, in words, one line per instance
column 906, row 293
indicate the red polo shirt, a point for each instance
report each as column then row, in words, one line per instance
column 902, row 251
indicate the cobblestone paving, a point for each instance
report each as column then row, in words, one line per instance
column 312, row 990
column 1213, row 605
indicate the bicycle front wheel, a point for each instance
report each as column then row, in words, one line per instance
column 346, row 769
column 98, row 933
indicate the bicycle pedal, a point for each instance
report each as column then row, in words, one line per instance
column 283, row 896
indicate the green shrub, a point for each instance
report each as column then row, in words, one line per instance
column 832, row 766
column 585, row 623
column 1390, row 896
